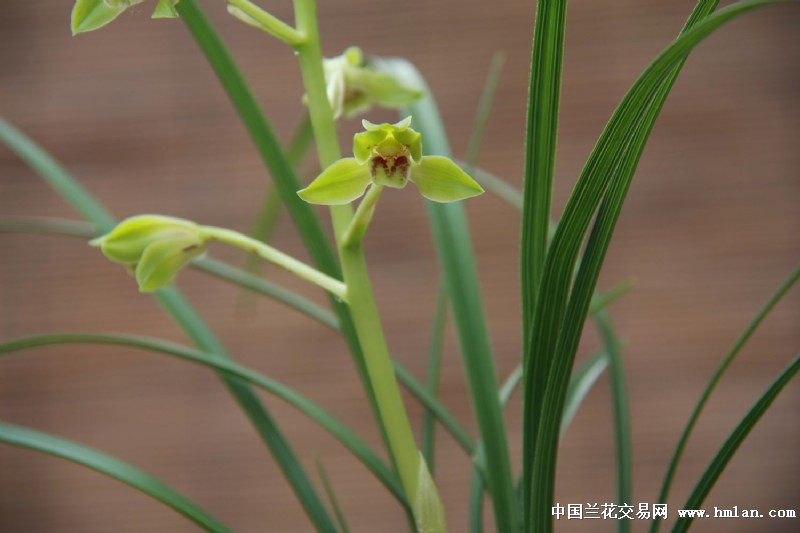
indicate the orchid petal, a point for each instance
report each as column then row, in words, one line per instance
column 162, row 260
column 340, row 183
column 441, row 180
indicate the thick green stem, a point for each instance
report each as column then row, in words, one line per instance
column 379, row 367
column 273, row 255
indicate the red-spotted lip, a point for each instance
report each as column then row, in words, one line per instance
column 390, row 165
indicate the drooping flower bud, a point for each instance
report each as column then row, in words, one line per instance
column 154, row 247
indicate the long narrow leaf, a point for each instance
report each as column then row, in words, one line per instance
column 272, row 290
column 281, row 450
column 494, row 185
column 584, row 376
column 428, row 447
column 583, row 379
column 726, row 453
column 451, row 233
column 232, row 370
column 337, row 510
column 580, row 384
column 476, row 502
column 484, row 109
column 271, row 204
column 185, row 315
column 540, row 153
column 111, row 467
column 621, row 412
column 615, row 156
column 434, row 406
column 712, row 384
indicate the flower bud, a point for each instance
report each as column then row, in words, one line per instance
column 353, row 86
column 154, row 247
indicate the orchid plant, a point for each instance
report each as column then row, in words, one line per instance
column 558, row 273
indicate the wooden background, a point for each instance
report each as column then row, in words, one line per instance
column 709, row 231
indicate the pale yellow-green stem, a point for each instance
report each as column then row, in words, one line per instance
column 273, row 255
column 360, row 222
column 267, row 22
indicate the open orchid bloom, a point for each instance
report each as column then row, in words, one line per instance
column 390, row 155
column 153, row 247
column 353, row 86
column 88, row 15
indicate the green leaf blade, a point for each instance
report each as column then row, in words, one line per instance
column 540, row 150
column 583, row 379
column 732, row 443
column 434, row 407
column 111, row 467
column 711, row 385
column 433, row 378
column 231, row 370
column 621, row 415
column 605, row 180
column 328, row 486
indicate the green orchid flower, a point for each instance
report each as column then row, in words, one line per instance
column 390, row 155
column 354, row 87
column 153, row 247
column 89, row 15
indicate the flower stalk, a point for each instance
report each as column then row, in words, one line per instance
column 251, row 14
column 156, row 247
column 360, row 296
column 275, row 256
column 360, row 222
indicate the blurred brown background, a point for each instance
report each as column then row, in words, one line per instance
column 709, row 231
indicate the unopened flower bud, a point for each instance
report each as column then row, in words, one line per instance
column 154, row 247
